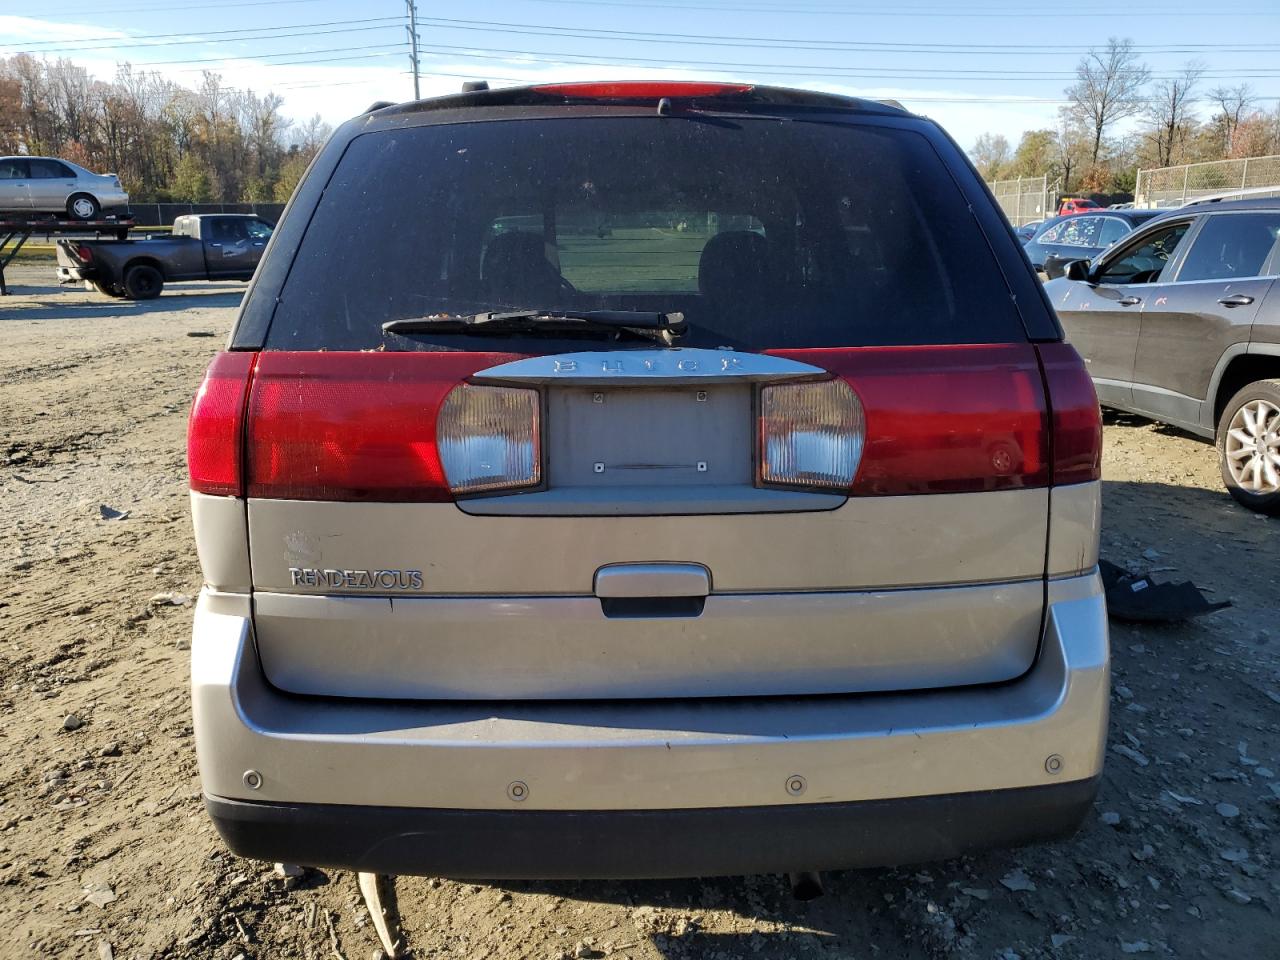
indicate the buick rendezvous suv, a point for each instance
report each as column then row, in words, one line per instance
column 642, row 480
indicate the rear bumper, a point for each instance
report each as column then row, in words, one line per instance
column 741, row 785
column 68, row 274
column 610, row 844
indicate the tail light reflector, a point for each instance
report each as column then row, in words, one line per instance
column 84, row 253
column 489, row 438
column 352, row 426
column 1076, row 440
column 810, row 434
column 216, row 425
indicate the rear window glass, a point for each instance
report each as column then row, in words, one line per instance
column 765, row 233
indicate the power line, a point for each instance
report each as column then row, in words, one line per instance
column 98, row 13
column 181, row 43
column 325, row 60
column 187, row 33
column 937, row 12
column 310, row 84
column 638, row 36
column 896, row 73
column 264, row 56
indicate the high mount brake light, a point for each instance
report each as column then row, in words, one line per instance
column 643, row 89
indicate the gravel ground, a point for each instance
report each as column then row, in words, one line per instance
column 105, row 849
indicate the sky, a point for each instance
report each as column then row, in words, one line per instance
column 974, row 65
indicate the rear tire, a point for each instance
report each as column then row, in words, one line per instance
column 1248, row 441
column 81, row 206
column 143, row 282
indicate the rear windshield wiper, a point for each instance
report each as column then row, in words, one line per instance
column 640, row 323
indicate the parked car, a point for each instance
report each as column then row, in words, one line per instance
column 538, row 549
column 1027, row 230
column 1075, row 205
column 1180, row 323
column 1079, row 237
column 50, row 185
column 202, row 246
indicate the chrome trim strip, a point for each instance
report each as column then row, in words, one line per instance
column 633, row 367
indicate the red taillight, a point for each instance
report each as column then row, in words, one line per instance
column 352, row 426
column 945, row 419
column 85, row 253
column 642, row 89
column 1077, row 419
column 215, row 429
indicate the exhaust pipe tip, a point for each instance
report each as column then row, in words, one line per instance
column 806, row 885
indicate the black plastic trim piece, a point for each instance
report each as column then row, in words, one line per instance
column 628, row 844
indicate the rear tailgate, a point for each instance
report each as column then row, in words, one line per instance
column 931, row 574
column 620, row 520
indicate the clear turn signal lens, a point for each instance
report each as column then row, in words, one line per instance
column 811, row 434
column 489, row 438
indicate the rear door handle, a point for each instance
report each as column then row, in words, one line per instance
column 1236, row 300
column 652, row 580
column 1129, row 301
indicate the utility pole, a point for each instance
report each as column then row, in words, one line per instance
column 413, row 44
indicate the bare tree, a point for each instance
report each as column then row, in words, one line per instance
column 1108, row 88
column 1171, row 110
column 310, row 136
column 991, row 152
column 1234, row 104
column 1072, row 144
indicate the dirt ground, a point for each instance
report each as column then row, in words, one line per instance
column 105, row 850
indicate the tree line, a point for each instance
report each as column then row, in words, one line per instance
column 166, row 142
column 1173, row 120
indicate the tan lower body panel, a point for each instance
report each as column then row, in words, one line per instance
column 519, row 648
column 868, row 543
column 1048, row 726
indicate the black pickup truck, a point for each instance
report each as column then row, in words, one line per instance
column 203, row 246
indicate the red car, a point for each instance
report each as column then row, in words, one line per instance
column 1076, row 205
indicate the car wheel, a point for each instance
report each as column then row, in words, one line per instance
column 83, row 207
column 1249, row 446
column 143, row 282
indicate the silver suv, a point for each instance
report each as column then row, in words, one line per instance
column 638, row 480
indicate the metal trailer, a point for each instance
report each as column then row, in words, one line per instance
column 15, row 230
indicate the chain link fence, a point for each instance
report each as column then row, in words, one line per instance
column 163, row 214
column 1025, row 199
column 1174, row 186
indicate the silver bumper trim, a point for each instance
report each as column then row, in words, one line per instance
column 656, row 754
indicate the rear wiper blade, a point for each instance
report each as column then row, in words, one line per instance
column 649, row 324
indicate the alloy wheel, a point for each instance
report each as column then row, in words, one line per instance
column 1253, row 447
